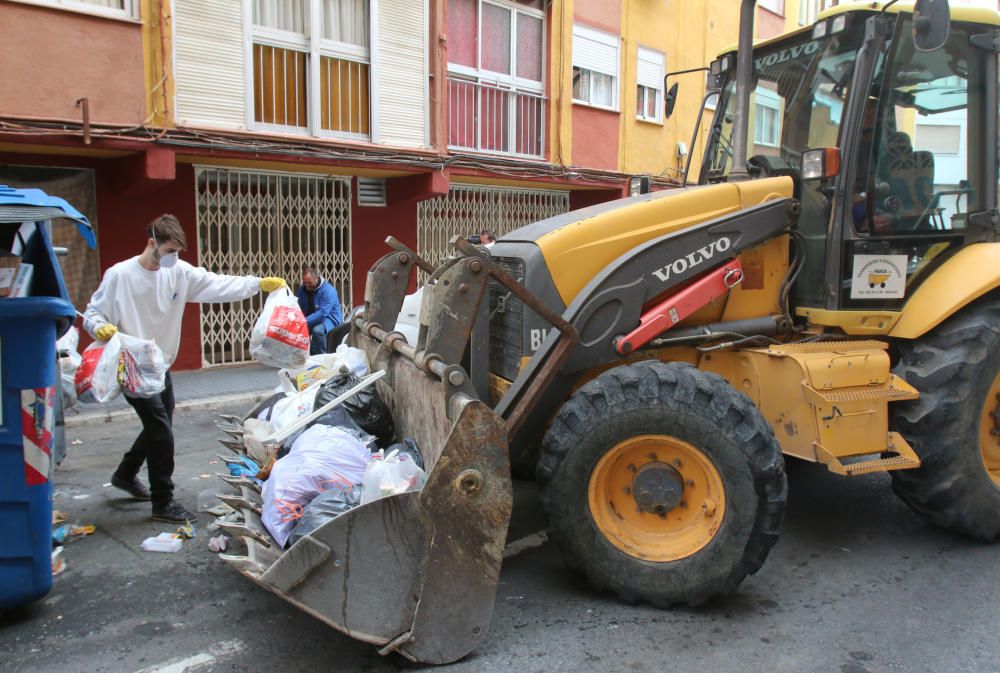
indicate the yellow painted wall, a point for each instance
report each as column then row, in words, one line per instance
column 690, row 34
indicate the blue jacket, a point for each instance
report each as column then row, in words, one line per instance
column 325, row 306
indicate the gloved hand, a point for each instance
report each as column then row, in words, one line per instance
column 272, row 283
column 106, row 331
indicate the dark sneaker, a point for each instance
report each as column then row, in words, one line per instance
column 134, row 488
column 173, row 512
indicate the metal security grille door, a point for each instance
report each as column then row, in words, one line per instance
column 267, row 224
column 469, row 209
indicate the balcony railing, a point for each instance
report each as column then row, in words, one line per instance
column 489, row 118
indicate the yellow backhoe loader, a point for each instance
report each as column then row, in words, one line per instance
column 827, row 292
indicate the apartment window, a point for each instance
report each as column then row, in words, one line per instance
column 121, row 9
column 808, row 11
column 595, row 67
column 289, row 94
column 649, row 85
column 767, row 118
column 496, row 82
column 776, row 6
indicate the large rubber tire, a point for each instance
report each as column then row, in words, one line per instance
column 682, row 405
column 956, row 368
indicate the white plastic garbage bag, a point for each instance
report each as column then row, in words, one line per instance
column 280, row 337
column 396, row 473
column 286, row 411
column 143, row 368
column 254, row 433
column 96, row 380
column 353, row 358
column 68, row 364
column 322, row 458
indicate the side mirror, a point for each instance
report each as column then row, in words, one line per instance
column 931, row 23
column 670, row 100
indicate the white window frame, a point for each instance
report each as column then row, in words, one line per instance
column 808, row 11
column 129, row 13
column 653, row 59
column 314, row 49
column 608, row 40
column 765, row 98
column 483, row 76
column 773, row 6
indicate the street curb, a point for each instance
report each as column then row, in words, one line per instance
column 201, row 404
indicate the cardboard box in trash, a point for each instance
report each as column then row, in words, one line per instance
column 8, row 272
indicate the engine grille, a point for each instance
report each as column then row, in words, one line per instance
column 506, row 321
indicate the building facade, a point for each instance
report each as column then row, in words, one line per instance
column 287, row 132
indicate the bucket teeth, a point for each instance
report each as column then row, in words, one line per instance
column 233, row 445
column 229, row 418
column 235, row 433
column 243, row 563
column 245, row 531
column 239, row 502
column 240, row 482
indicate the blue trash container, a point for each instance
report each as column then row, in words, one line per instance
column 29, row 327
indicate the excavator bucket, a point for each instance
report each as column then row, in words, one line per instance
column 415, row 573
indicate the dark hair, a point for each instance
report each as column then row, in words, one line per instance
column 167, row 228
column 310, row 270
column 489, row 234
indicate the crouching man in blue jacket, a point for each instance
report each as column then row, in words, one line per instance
column 321, row 306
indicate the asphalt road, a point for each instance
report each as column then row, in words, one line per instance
column 857, row 583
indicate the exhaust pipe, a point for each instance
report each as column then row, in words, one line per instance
column 744, row 77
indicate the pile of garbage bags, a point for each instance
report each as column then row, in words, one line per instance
column 311, row 465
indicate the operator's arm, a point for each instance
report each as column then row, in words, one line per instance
column 101, row 309
column 205, row 286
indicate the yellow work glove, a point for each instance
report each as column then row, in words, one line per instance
column 272, row 283
column 106, row 331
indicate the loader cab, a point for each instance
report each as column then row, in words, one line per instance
column 900, row 147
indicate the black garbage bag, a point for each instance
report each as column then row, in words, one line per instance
column 324, row 507
column 366, row 408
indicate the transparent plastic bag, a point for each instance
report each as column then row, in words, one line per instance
column 69, row 363
column 280, row 337
column 142, row 367
column 393, row 474
column 96, row 380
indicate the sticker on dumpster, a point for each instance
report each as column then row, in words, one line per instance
column 36, row 430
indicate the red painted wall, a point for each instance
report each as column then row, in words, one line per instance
column 369, row 228
column 769, row 24
column 121, row 220
column 595, row 137
column 50, row 58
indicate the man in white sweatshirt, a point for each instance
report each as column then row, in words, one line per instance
column 144, row 297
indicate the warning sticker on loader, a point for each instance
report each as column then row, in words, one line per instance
column 878, row 277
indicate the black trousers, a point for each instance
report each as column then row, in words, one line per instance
column 154, row 445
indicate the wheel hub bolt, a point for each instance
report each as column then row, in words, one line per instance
column 657, row 488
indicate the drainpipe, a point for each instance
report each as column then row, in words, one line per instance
column 744, row 77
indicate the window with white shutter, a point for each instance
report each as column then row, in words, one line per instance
column 649, row 85
column 595, row 67
column 288, row 93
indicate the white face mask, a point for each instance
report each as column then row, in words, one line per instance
column 167, row 261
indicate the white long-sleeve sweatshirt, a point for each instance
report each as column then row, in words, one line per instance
column 150, row 304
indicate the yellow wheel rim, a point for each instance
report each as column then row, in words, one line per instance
column 681, row 516
column 989, row 432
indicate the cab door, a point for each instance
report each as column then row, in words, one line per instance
column 926, row 180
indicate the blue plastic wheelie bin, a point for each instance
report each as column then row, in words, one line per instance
column 29, row 327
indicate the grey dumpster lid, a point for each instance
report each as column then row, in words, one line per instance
column 34, row 205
